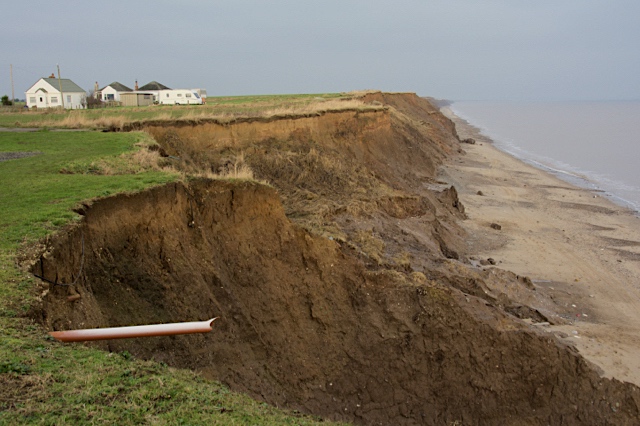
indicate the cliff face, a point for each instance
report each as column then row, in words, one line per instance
column 346, row 174
column 342, row 290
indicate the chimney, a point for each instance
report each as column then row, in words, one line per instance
column 136, row 86
column 52, row 75
column 96, row 90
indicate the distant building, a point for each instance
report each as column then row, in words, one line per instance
column 154, row 88
column 136, row 99
column 112, row 92
column 45, row 93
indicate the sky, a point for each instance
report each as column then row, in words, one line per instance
column 542, row 50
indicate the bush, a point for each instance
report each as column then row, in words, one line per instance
column 92, row 102
column 6, row 101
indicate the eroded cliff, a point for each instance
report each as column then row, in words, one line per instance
column 342, row 289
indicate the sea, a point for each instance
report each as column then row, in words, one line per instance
column 595, row 145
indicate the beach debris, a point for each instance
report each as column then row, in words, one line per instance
column 470, row 141
column 496, row 226
column 480, row 193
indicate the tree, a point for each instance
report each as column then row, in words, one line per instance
column 6, row 101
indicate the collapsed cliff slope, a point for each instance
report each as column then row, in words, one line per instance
column 342, row 289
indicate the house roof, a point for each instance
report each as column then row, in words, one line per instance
column 154, row 85
column 118, row 87
column 67, row 85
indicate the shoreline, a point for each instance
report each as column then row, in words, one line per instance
column 571, row 176
column 580, row 249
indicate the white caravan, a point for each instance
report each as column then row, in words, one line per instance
column 179, row 97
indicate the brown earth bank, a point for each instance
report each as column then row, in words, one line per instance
column 344, row 289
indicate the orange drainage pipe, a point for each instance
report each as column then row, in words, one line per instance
column 134, row 331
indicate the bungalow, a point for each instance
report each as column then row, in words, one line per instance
column 153, row 88
column 46, row 93
column 112, row 92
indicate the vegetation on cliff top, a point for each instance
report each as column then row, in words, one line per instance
column 44, row 176
column 222, row 109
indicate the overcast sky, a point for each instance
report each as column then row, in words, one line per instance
column 453, row 49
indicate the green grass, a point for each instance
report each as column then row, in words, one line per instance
column 228, row 105
column 36, row 197
column 46, row 382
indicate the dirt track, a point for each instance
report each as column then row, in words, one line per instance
column 344, row 290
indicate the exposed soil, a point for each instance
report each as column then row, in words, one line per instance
column 344, row 289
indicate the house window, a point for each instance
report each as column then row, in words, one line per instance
column 179, row 95
column 188, row 95
column 69, row 99
column 167, row 95
column 147, row 96
column 40, row 98
column 54, row 99
column 110, row 97
column 32, row 100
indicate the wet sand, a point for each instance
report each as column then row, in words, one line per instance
column 579, row 248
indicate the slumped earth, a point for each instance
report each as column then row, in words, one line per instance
column 344, row 287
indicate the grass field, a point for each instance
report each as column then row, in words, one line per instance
column 46, row 382
column 227, row 106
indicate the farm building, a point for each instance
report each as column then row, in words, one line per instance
column 53, row 93
column 136, row 99
column 112, row 92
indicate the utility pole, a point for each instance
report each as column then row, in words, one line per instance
column 13, row 96
column 60, row 86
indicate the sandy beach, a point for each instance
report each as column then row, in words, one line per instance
column 581, row 251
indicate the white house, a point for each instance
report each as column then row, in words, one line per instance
column 153, row 88
column 46, row 94
column 112, row 92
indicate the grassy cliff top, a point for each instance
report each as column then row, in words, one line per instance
column 44, row 175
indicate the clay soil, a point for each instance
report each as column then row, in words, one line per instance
column 346, row 287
